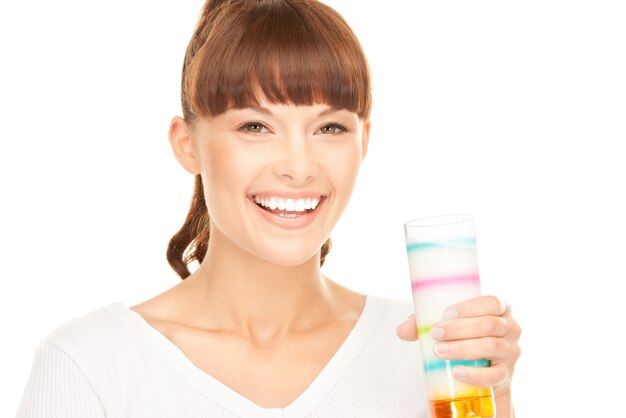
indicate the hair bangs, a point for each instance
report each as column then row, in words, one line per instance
column 287, row 51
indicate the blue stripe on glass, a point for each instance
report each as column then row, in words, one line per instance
column 459, row 243
column 437, row 365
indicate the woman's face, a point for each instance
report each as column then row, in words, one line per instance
column 277, row 177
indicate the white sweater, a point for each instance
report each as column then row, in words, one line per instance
column 112, row 363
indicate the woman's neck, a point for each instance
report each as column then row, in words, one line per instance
column 235, row 291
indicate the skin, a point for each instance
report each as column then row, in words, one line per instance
column 259, row 300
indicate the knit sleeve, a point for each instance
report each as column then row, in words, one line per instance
column 57, row 388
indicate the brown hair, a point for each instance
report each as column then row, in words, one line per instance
column 293, row 51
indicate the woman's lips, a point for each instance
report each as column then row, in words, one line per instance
column 287, row 219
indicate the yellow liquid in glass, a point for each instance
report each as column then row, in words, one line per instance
column 474, row 407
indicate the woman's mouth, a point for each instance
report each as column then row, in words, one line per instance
column 290, row 213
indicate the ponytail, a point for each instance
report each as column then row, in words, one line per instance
column 193, row 235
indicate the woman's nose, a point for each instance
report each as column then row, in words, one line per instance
column 296, row 161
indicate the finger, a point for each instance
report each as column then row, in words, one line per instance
column 479, row 306
column 482, row 376
column 465, row 328
column 489, row 348
column 408, row 329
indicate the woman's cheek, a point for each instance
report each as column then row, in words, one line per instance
column 344, row 167
column 226, row 163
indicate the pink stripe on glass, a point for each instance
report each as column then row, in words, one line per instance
column 445, row 280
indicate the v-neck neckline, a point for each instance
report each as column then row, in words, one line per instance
column 235, row 402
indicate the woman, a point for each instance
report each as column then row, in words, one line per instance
column 276, row 102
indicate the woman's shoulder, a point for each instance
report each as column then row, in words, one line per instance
column 101, row 336
column 102, row 343
column 87, row 328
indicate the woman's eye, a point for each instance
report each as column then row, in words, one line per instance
column 253, row 127
column 332, row 128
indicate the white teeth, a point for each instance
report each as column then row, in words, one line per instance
column 291, row 205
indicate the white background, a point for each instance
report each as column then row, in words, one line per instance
column 511, row 111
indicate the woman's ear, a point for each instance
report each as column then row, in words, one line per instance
column 181, row 140
column 365, row 138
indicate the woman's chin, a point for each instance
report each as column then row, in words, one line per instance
column 291, row 257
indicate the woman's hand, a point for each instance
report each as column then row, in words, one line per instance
column 479, row 328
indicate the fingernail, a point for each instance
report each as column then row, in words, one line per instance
column 450, row 313
column 437, row 333
column 458, row 372
column 440, row 348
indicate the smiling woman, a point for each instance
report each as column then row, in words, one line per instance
column 285, row 54
column 276, row 102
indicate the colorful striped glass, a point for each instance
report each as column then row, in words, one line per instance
column 444, row 271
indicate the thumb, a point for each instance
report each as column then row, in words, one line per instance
column 407, row 330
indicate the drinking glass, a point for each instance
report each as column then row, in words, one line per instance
column 444, row 271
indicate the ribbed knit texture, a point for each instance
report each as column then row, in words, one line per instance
column 57, row 388
column 111, row 363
